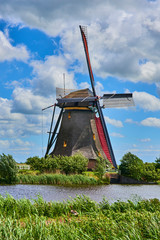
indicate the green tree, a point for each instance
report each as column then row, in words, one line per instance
column 36, row 163
column 51, row 163
column 73, row 164
column 80, row 163
column 131, row 166
column 100, row 167
column 157, row 161
column 8, row 169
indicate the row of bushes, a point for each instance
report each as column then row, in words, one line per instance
column 76, row 164
column 66, row 164
column 23, row 219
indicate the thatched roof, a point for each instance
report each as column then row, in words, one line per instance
column 80, row 94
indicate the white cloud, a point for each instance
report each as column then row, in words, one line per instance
column 120, row 35
column 129, row 120
column 116, row 135
column 146, row 101
column 116, row 123
column 8, row 52
column 99, row 88
column 25, row 101
column 151, row 122
column 49, row 75
column 84, row 85
column 23, row 122
column 4, row 144
column 145, row 140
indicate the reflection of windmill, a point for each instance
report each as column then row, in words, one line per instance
column 83, row 126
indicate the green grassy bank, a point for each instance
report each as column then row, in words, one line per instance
column 61, row 179
column 57, row 179
column 79, row 218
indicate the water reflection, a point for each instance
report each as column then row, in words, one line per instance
column 60, row 193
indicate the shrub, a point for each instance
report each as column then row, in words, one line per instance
column 36, row 163
column 131, row 166
column 75, row 164
column 100, row 167
column 157, row 163
column 51, row 164
column 8, row 169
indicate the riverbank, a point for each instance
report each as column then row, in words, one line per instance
column 79, row 218
column 58, row 179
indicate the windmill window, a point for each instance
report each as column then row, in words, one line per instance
column 69, row 115
column 94, row 137
column 64, row 144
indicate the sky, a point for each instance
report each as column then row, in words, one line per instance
column 40, row 40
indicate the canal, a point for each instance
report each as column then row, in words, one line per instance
column 112, row 192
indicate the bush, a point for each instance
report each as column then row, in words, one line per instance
column 51, row 164
column 100, row 167
column 157, row 163
column 8, row 169
column 131, row 166
column 75, row 164
column 36, row 163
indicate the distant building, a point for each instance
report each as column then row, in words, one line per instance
column 23, row 166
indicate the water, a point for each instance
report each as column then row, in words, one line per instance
column 111, row 192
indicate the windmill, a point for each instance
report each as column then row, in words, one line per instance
column 83, row 125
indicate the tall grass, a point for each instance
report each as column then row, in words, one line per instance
column 57, row 179
column 23, row 219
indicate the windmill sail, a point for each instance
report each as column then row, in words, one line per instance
column 117, row 100
column 106, row 140
column 83, row 30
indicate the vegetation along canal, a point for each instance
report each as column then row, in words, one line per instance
column 59, row 193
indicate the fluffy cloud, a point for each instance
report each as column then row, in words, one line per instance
column 146, row 101
column 117, row 135
column 129, row 120
column 151, row 122
column 126, row 34
column 49, row 75
column 26, row 102
column 17, row 116
column 8, row 52
column 4, row 144
column 116, row 123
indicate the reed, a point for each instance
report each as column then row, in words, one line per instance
column 57, row 179
column 37, row 219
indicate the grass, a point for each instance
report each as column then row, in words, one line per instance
column 23, row 219
column 57, row 179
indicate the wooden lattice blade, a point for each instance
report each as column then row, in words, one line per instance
column 117, row 100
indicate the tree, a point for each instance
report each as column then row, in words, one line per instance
column 100, row 167
column 8, row 168
column 36, row 163
column 51, row 163
column 157, row 161
column 131, row 166
column 73, row 164
column 80, row 163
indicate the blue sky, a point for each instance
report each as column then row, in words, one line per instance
column 40, row 42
